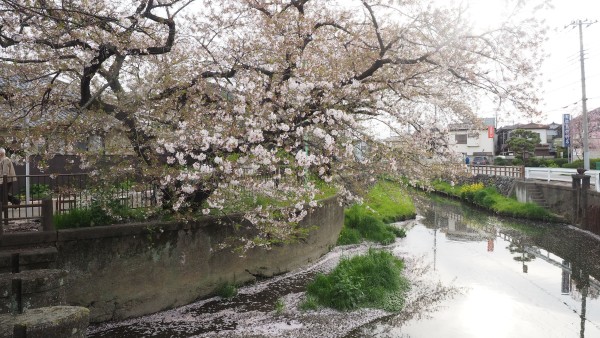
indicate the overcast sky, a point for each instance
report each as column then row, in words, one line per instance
column 561, row 90
column 562, row 71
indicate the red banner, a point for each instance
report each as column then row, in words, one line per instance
column 490, row 132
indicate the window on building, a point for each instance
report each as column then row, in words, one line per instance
column 460, row 138
column 473, row 140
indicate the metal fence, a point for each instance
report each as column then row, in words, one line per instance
column 561, row 175
column 70, row 191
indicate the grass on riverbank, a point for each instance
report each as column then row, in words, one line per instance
column 490, row 198
column 386, row 202
column 372, row 280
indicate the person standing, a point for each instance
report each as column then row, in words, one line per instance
column 7, row 168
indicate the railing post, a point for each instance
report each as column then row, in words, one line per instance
column 548, row 170
column 524, row 172
column 5, row 198
column 47, row 215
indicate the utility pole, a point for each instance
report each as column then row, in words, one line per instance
column 586, row 146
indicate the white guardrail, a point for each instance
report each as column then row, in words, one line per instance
column 561, row 175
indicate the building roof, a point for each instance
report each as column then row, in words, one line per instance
column 484, row 123
column 525, row 126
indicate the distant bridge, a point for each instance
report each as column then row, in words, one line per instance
column 561, row 175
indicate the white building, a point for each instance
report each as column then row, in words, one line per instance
column 473, row 140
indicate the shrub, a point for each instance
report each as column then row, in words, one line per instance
column 574, row 164
column 96, row 215
column 349, row 236
column 468, row 191
column 399, row 232
column 560, row 161
column 372, row 280
column 75, row 218
column 227, row 290
column 390, row 202
column 546, row 162
column 500, row 161
column 40, row 191
column 479, row 196
column 386, row 202
column 310, row 303
column 367, row 225
column 579, row 163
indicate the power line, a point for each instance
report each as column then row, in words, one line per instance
column 569, row 105
column 553, row 89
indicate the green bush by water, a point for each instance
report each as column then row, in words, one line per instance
column 389, row 202
column 360, row 224
column 490, row 198
column 372, row 280
column 349, row 235
column 386, row 202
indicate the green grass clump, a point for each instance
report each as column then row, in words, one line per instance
column 386, row 202
column 389, row 202
column 279, row 306
column 349, row 236
column 445, row 187
column 96, row 215
column 490, row 198
column 80, row 218
column 360, row 224
column 372, row 280
column 511, row 207
column 227, row 290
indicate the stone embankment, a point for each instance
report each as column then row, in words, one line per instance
column 32, row 297
column 502, row 183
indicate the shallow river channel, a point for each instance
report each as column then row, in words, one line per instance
column 473, row 275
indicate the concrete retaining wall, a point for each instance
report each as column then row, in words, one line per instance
column 559, row 198
column 130, row 270
column 47, row 322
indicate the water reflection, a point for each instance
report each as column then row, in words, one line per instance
column 524, row 279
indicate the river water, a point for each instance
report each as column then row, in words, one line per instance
column 473, row 275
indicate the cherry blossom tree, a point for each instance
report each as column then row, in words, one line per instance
column 214, row 96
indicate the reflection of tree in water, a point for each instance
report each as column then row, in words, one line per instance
column 524, row 238
column 437, row 213
column 593, row 293
column 518, row 249
column 573, row 251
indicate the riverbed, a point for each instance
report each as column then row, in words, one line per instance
column 472, row 275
